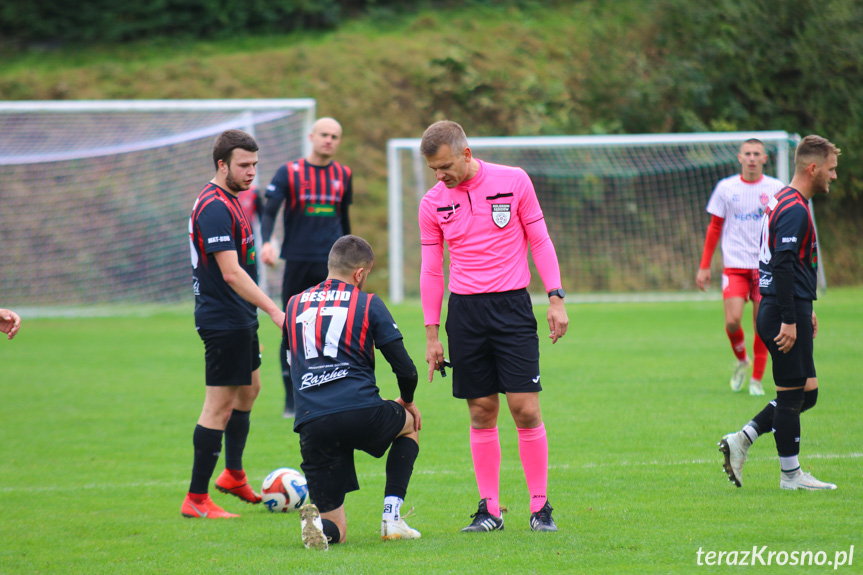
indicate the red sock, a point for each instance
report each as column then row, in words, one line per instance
column 236, row 474
column 760, row 363
column 198, row 497
column 533, row 448
column 485, row 449
column 738, row 343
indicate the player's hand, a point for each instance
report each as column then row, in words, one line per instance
column 558, row 321
column 414, row 411
column 9, row 322
column 814, row 325
column 434, row 356
column 702, row 279
column 268, row 254
column 787, row 336
column 278, row 318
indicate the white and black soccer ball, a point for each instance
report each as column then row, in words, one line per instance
column 284, row 490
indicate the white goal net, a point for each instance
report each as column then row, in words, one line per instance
column 626, row 213
column 95, row 196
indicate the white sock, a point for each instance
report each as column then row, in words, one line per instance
column 789, row 465
column 750, row 433
column 392, row 507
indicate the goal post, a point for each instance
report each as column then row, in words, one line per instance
column 626, row 212
column 96, row 195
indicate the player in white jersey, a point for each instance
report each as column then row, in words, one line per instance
column 736, row 208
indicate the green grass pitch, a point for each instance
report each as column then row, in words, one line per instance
column 96, row 420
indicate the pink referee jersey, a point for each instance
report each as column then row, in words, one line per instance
column 741, row 204
column 487, row 223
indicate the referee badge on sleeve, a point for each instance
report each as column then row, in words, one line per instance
column 500, row 213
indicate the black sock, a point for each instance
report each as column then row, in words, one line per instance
column 236, row 433
column 208, row 445
column 400, row 466
column 786, row 422
column 763, row 422
column 331, row 531
column 810, row 398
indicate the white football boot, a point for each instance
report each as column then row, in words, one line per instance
column 803, row 480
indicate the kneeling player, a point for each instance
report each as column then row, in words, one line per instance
column 331, row 330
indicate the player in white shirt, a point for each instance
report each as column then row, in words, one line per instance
column 736, row 208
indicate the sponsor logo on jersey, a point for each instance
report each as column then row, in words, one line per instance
column 250, row 256
column 765, row 279
column 326, row 295
column 321, row 210
column 789, row 240
column 764, row 197
column 336, row 184
column 315, row 379
column 218, row 239
column 500, row 214
column 750, row 217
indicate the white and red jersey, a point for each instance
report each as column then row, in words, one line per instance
column 741, row 204
column 487, row 223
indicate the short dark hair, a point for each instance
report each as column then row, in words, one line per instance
column 442, row 133
column 350, row 253
column 813, row 149
column 753, row 141
column 230, row 140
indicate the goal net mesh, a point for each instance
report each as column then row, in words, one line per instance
column 94, row 206
column 624, row 218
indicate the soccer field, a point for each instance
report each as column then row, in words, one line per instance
column 96, row 420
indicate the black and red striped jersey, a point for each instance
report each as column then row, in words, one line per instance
column 787, row 226
column 315, row 200
column 330, row 334
column 251, row 202
column 218, row 223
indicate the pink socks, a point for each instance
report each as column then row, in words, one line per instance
column 485, row 449
column 533, row 449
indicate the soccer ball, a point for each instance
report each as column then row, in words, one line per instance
column 284, row 490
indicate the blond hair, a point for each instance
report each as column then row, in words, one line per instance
column 813, row 149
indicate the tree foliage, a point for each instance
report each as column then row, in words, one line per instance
column 795, row 65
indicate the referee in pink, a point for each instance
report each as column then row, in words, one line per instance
column 487, row 215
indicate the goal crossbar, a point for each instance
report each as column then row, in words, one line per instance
column 406, row 169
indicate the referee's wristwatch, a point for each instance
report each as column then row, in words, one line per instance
column 558, row 292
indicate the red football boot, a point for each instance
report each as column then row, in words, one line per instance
column 227, row 483
column 206, row 509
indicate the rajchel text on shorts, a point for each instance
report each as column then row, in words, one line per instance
column 763, row 555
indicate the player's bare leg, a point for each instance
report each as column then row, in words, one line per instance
column 733, row 318
column 759, row 354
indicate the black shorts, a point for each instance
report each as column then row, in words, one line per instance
column 493, row 345
column 327, row 444
column 300, row 276
column 230, row 355
column 798, row 363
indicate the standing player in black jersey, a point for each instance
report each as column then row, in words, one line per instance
column 786, row 321
column 316, row 191
column 226, row 301
column 331, row 330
